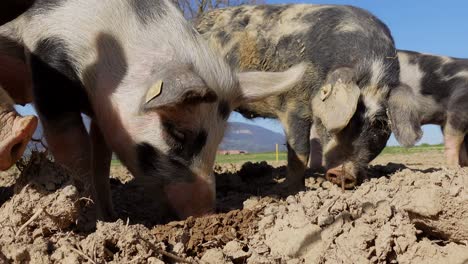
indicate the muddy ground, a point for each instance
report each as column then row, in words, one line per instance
column 412, row 210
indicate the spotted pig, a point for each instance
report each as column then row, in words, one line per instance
column 434, row 91
column 341, row 101
column 157, row 95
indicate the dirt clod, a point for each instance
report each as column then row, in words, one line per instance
column 411, row 213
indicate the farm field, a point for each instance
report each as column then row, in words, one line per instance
column 412, row 209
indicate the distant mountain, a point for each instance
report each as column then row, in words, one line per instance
column 251, row 138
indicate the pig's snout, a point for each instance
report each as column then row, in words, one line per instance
column 195, row 198
column 15, row 136
column 341, row 177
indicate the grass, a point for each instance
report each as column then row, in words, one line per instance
column 267, row 156
column 270, row 156
column 416, row 149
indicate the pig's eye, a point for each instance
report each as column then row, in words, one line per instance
column 178, row 135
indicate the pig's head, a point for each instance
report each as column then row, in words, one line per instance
column 352, row 124
column 180, row 122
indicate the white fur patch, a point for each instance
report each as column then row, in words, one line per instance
column 373, row 95
column 348, row 27
column 410, row 73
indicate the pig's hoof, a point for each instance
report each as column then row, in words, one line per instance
column 15, row 134
column 341, row 178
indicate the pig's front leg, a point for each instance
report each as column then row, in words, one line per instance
column 315, row 154
column 102, row 156
column 297, row 134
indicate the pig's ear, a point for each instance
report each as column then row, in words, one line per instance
column 187, row 88
column 404, row 116
column 259, row 85
column 335, row 104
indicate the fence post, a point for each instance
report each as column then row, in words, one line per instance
column 277, row 155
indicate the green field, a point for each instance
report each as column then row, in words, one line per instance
column 416, row 149
column 270, row 156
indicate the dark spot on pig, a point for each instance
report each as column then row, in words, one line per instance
column 224, row 109
column 260, row 7
column 148, row 157
column 57, row 88
column 236, row 12
column 454, row 67
column 232, row 57
column 223, row 37
column 245, row 21
column 150, row 161
column 199, row 142
column 457, row 110
column 44, row 6
column 148, row 11
column 274, row 11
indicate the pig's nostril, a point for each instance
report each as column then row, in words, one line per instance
column 333, row 177
column 350, row 181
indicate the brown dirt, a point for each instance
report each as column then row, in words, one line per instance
column 413, row 210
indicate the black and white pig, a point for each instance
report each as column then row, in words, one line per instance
column 158, row 96
column 352, row 66
column 434, row 90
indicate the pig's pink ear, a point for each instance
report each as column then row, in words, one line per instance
column 403, row 112
column 178, row 89
column 259, row 85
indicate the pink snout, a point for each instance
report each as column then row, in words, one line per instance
column 195, row 198
column 341, row 177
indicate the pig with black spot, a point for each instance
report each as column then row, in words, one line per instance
column 156, row 93
column 340, row 103
column 434, row 91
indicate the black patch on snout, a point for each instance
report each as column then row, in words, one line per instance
column 151, row 163
column 148, row 157
column 224, row 109
column 56, row 86
column 184, row 144
column 148, row 11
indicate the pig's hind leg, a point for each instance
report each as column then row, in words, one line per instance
column 464, row 152
column 455, row 130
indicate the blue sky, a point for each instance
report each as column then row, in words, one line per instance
column 431, row 26
column 438, row 27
